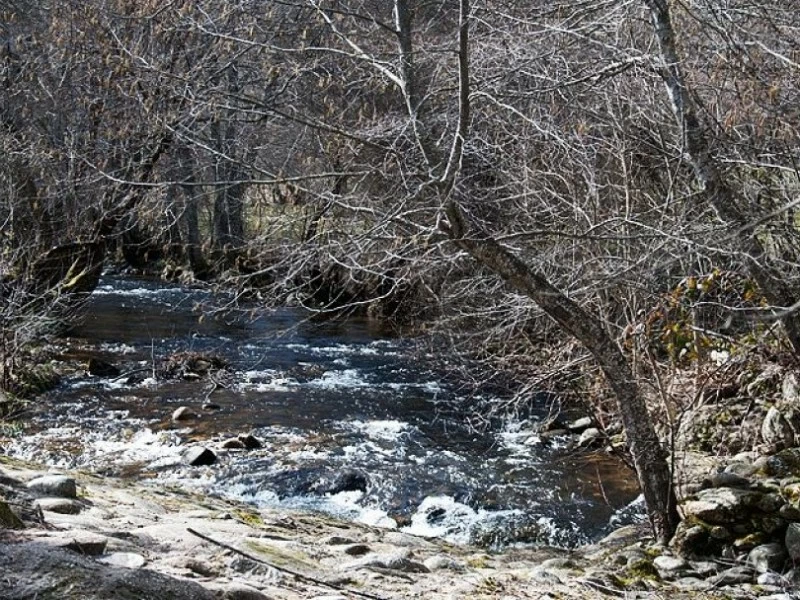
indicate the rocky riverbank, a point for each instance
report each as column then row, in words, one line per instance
column 81, row 536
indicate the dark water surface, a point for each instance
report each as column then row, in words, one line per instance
column 327, row 399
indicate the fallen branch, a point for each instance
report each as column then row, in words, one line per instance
column 295, row 574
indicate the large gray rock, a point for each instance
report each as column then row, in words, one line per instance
column 767, row 557
column 722, row 505
column 670, row 567
column 776, row 431
column 792, row 541
column 63, row 506
column 58, row 486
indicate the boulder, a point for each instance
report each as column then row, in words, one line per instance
column 199, row 457
column 670, row 567
column 59, row 486
column 776, row 431
column 722, row 505
column 767, row 557
column 792, row 541
column 62, row 506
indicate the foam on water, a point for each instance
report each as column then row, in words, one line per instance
column 444, row 517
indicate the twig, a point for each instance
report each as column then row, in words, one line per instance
column 295, row 574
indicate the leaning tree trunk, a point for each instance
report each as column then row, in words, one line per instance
column 649, row 457
column 719, row 193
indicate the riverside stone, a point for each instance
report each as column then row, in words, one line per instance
column 775, row 429
column 63, row 506
column 792, row 541
column 670, row 567
column 767, row 557
column 721, row 505
column 199, row 457
column 58, row 486
column 726, row 479
column 232, row 444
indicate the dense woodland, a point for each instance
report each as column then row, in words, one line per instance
column 512, row 175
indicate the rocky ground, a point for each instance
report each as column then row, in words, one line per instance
column 80, row 536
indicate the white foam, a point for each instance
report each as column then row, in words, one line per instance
column 331, row 380
column 388, row 430
column 456, row 521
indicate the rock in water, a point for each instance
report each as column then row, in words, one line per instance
column 58, row 486
column 199, row 457
column 183, row 413
column 250, row 441
column 102, row 368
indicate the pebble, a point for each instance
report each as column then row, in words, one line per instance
column 232, row 444
column 58, row 486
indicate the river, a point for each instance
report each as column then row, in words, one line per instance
column 326, row 399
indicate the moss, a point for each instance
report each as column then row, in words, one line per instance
column 8, row 520
column 641, row 569
column 249, row 517
column 480, row 561
column 280, row 557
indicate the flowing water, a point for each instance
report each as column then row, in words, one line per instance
column 334, row 403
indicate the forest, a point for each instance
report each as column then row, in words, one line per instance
column 599, row 197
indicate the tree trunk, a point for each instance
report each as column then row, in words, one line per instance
column 649, row 458
column 722, row 197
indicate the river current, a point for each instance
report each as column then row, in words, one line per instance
column 327, row 399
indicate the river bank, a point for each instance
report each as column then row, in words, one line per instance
column 135, row 540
